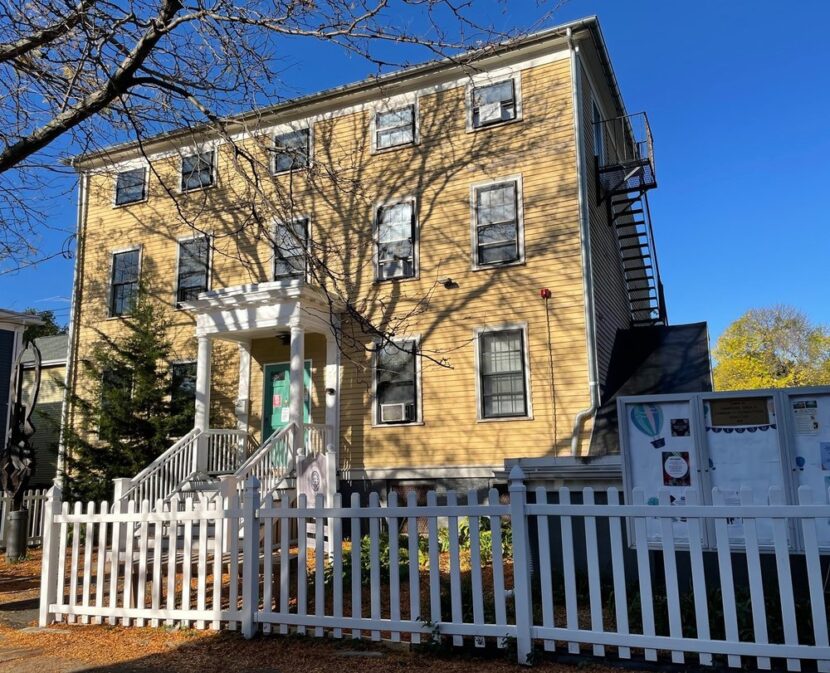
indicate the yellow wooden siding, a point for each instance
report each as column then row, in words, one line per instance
column 339, row 195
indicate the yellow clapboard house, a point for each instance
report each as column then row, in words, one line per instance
column 418, row 276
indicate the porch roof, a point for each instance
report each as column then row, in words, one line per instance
column 243, row 312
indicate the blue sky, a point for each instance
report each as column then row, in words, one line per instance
column 737, row 94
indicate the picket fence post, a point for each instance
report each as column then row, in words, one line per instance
column 50, row 562
column 522, row 591
column 250, row 556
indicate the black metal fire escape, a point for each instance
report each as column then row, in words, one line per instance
column 625, row 174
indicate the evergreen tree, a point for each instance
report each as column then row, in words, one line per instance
column 124, row 418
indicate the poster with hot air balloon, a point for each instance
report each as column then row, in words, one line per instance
column 648, row 419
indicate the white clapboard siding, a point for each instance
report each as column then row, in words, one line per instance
column 185, row 562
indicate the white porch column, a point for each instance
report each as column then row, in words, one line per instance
column 296, row 381
column 243, row 395
column 202, row 416
column 332, row 407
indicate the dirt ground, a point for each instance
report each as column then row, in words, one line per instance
column 64, row 648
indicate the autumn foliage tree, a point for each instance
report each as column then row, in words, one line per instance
column 774, row 347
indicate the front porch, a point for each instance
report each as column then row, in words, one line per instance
column 286, row 406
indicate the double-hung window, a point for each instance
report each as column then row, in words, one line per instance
column 494, row 103
column 182, row 397
column 497, row 224
column 292, row 150
column 290, row 247
column 502, row 375
column 124, row 282
column 197, row 171
column 396, row 383
column 396, row 231
column 130, row 186
column 395, row 127
column 194, row 268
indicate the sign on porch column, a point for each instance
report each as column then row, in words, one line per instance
column 312, row 476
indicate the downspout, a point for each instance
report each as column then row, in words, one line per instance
column 72, row 336
column 585, row 245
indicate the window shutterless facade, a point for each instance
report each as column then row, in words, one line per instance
column 130, row 186
column 292, row 150
column 124, row 282
column 395, row 127
column 494, row 103
column 197, row 171
column 194, row 268
column 290, row 245
column 396, row 383
column 502, row 374
column 497, row 227
column 396, row 232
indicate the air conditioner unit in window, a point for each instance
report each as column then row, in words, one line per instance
column 395, row 413
column 395, row 268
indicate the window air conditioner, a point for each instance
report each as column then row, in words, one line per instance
column 394, row 413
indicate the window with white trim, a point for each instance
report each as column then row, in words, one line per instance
column 599, row 138
column 124, row 282
column 292, row 150
column 197, row 170
column 395, row 127
column 497, row 223
column 502, row 375
column 396, row 230
column 194, row 268
column 396, row 383
column 290, row 245
column 130, row 186
column 494, row 103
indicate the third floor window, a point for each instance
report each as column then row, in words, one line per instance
column 395, row 127
column 292, row 150
column 197, row 171
column 194, row 267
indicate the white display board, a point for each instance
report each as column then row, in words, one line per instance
column 743, row 449
column 730, row 441
column 809, row 425
column 661, row 449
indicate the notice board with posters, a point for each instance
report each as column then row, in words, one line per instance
column 755, row 439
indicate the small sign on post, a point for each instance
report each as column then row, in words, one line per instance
column 312, row 476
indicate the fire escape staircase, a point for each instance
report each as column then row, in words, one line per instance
column 625, row 174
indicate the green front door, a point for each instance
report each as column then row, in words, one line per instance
column 277, row 392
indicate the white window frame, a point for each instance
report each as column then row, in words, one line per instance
column 504, row 327
column 599, row 152
column 284, row 129
column 489, row 79
column 113, row 253
column 184, row 239
column 127, row 169
column 520, row 221
column 275, row 233
column 186, row 155
column 392, row 105
column 419, row 397
column 416, row 244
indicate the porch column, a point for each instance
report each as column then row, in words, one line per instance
column 202, row 416
column 243, row 396
column 297, row 386
column 332, row 414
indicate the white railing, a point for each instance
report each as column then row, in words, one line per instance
column 317, row 438
column 226, row 450
column 589, row 592
column 166, row 473
column 272, row 462
column 33, row 500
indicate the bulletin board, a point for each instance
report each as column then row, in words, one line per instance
column 660, row 437
column 730, row 440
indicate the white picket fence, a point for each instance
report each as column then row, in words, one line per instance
column 188, row 564
column 34, row 500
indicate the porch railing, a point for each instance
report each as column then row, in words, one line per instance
column 227, row 450
column 164, row 475
column 272, row 462
column 317, row 438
